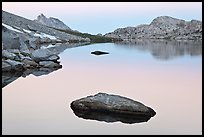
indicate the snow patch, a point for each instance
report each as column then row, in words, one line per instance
column 28, row 31
column 43, row 35
column 49, row 46
column 11, row 28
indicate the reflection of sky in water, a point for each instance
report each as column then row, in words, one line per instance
column 122, row 55
column 173, row 88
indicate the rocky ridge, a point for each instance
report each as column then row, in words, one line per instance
column 163, row 27
column 37, row 28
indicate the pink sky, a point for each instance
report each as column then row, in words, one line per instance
column 103, row 17
column 79, row 8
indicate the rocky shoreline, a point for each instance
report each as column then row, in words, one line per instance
column 22, row 41
column 28, row 46
column 20, row 51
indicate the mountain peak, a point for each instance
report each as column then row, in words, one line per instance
column 166, row 20
column 51, row 22
column 41, row 16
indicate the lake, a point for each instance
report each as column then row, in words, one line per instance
column 166, row 76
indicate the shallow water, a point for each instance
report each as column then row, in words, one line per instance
column 169, row 81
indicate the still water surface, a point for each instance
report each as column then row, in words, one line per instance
column 168, row 79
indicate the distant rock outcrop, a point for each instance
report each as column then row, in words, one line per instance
column 51, row 22
column 163, row 27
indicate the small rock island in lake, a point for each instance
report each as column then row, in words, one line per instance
column 112, row 108
column 99, row 52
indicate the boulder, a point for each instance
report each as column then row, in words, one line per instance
column 29, row 63
column 49, row 64
column 12, row 65
column 6, row 66
column 42, row 55
column 99, row 52
column 111, row 108
column 8, row 55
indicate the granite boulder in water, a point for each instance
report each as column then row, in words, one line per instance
column 99, row 52
column 112, row 108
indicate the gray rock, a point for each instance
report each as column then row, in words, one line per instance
column 53, row 57
column 24, row 46
column 10, row 40
column 29, row 63
column 41, row 55
column 15, row 51
column 15, row 65
column 31, row 28
column 32, row 44
column 8, row 55
column 6, row 66
column 49, row 64
column 44, row 40
column 163, row 27
column 99, row 52
column 112, row 105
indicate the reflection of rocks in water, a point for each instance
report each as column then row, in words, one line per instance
column 8, row 77
column 111, row 108
column 164, row 49
column 39, row 71
column 111, row 117
column 59, row 48
column 46, row 62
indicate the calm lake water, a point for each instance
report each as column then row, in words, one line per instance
column 165, row 76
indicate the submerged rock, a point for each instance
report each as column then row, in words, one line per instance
column 112, row 108
column 99, row 52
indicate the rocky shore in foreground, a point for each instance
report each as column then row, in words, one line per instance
column 22, row 41
column 29, row 46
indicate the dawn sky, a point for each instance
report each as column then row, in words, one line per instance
column 104, row 17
